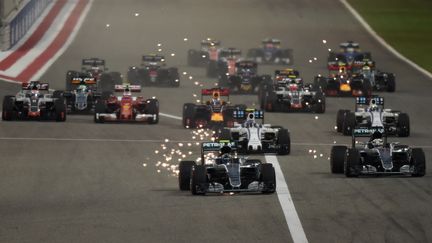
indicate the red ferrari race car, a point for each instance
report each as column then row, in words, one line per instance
column 213, row 113
column 127, row 108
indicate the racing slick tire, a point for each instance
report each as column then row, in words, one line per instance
column 106, row 94
column 403, row 125
column 185, row 169
column 57, row 94
column 418, row 161
column 133, row 77
column 100, row 107
column 225, row 134
column 320, row 81
column 367, row 88
column 270, row 101
column 8, row 112
column 174, row 77
column 340, row 117
column 188, row 119
column 199, row 180
column 106, row 83
column 337, row 157
column 349, row 123
column 284, row 142
column 352, row 163
column 391, row 82
column 268, row 178
column 60, row 110
column 212, row 69
column 320, row 104
column 152, row 107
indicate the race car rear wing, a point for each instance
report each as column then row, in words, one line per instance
column 83, row 81
column 153, row 58
column 222, row 91
column 35, row 84
column 93, row 62
column 362, row 100
column 243, row 114
column 127, row 87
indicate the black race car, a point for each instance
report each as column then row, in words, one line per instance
column 214, row 113
column 245, row 79
column 271, row 53
column 93, row 69
column 153, row 72
column 377, row 156
column 221, row 170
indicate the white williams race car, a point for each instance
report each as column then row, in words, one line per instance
column 254, row 137
column 370, row 113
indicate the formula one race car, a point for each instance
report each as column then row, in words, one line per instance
column 226, row 64
column 254, row 137
column 93, row 69
column 207, row 55
column 271, row 53
column 210, row 114
column 369, row 112
column 343, row 83
column 289, row 94
column 222, row 170
column 349, row 56
column 380, row 81
column 377, row 156
column 127, row 108
column 33, row 102
column 154, row 72
column 245, row 80
column 82, row 99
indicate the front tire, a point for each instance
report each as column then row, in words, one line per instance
column 337, row 157
column 185, row 170
column 418, row 160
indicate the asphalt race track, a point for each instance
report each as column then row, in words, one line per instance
column 84, row 182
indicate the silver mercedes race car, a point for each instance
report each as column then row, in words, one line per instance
column 376, row 156
column 221, row 170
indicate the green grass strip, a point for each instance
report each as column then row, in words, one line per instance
column 405, row 25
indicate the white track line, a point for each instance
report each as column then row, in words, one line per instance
column 382, row 41
column 293, row 221
column 170, row 116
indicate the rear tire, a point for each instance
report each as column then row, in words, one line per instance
column 152, row 107
column 391, row 83
column 60, row 110
column 349, row 123
column 188, row 119
column 100, row 107
column 403, row 125
column 419, row 162
column 185, row 169
column 284, row 142
column 337, row 157
column 340, row 117
column 8, row 112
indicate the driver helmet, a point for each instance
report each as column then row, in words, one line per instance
column 373, row 106
column 215, row 100
column 250, row 120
